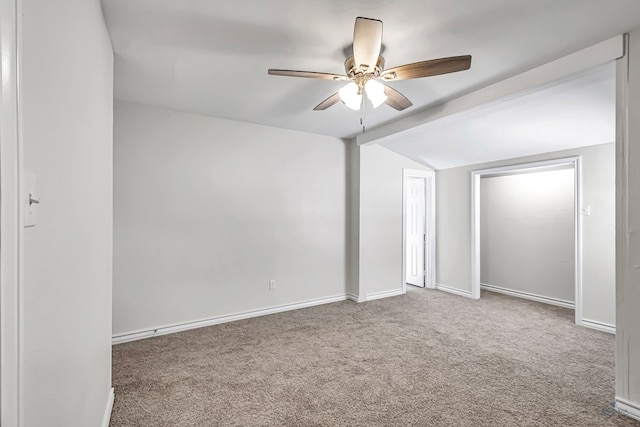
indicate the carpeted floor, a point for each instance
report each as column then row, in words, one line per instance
column 426, row 358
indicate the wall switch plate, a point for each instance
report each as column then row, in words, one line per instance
column 272, row 284
column 31, row 200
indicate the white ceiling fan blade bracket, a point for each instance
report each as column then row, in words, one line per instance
column 389, row 76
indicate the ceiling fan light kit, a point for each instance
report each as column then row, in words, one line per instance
column 365, row 71
column 351, row 96
column 375, row 93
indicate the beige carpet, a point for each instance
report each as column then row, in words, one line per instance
column 423, row 359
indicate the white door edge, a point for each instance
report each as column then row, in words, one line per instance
column 11, row 401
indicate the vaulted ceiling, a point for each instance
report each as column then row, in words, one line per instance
column 211, row 57
column 577, row 111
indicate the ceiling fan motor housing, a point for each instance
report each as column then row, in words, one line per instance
column 352, row 71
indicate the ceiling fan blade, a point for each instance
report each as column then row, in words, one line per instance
column 395, row 99
column 307, row 74
column 367, row 40
column 432, row 67
column 333, row 99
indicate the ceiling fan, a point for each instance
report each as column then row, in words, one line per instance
column 365, row 70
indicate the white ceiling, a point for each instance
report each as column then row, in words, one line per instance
column 211, row 56
column 575, row 112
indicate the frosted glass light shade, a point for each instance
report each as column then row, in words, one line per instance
column 375, row 93
column 350, row 96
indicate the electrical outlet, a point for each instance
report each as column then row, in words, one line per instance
column 272, row 284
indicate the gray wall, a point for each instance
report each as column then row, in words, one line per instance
column 628, row 223
column 453, row 225
column 527, row 233
column 207, row 211
column 381, row 219
column 67, row 117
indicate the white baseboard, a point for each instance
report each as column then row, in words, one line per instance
column 627, row 408
column 384, row 294
column 604, row 327
column 455, row 291
column 169, row 329
column 529, row 296
column 353, row 297
column 107, row 412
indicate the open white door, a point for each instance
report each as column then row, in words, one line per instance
column 416, row 231
column 419, row 228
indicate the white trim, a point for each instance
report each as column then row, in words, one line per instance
column 216, row 320
column 577, row 226
column 455, row 291
column 430, row 278
column 430, row 225
column 475, row 235
column 599, row 326
column 385, row 294
column 353, row 297
column 573, row 161
column 625, row 371
column 11, row 233
column 529, row 296
column 106, row 418
column 511, row 88
column 627, row 408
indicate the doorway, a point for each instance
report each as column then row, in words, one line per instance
column 572, row 163
column 418, row 229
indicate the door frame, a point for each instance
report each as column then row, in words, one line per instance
column 476, row 175
column 430, row 225
column 11, row 222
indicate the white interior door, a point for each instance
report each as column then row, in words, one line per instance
column 415, row 230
